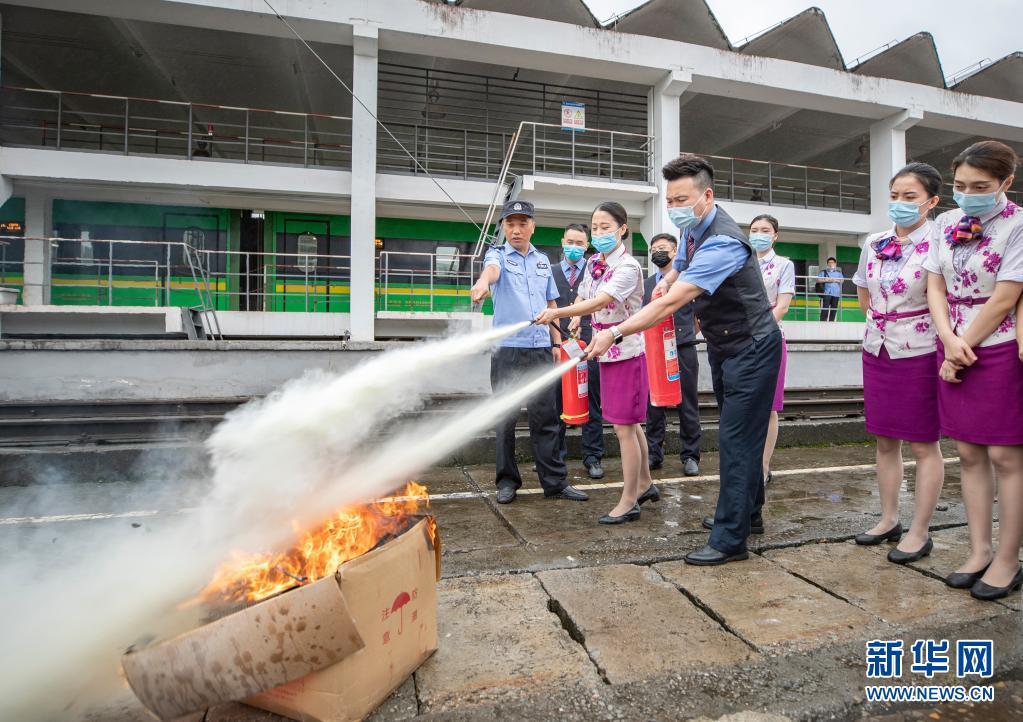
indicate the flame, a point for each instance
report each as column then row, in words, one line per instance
column 351, row 532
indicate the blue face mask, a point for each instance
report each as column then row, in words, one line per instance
column 573, row 253
column 684, row 217
column 605, row 243
column 761, row 241
column 976, row 204
column 904, row 213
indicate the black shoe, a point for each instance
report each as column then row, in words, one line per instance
column 898, row 557
column 988, row 593
column 570, row 493
column 651, row 494
column 594, row 470
column 709, row 557
column 756, row 526
column 965, row 580
column 631, row 515
column 655, row 465
column 690, row 467
column 892, row 535
column 505, row 494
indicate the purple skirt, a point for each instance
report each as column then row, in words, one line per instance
column 900, row 396
column 624, row 390
column 987, row 407
column 779, row 389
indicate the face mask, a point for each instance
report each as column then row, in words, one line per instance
column 573, row 253
column 605, row 243
column 976, row 204
column 761, row 241
column 904, row 213
column 684, row 217
column 660, row 258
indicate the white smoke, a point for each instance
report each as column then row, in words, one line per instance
column 298, row 455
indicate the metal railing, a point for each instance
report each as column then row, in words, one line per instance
column 807, row 301
column 419, row 281
column 785, row 184
column 146, row 126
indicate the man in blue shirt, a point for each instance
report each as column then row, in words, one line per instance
column 832, row 289
column 519, row 278
column 716, row 268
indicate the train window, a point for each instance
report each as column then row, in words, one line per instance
column 446, row 261
column 307, row 243
column 194, row 237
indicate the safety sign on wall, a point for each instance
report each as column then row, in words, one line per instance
column 573, row 116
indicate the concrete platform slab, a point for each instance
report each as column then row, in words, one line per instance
column 863, row 577
column 769, row 607
column 497, row 637
column 467, row 524
column 617, row 611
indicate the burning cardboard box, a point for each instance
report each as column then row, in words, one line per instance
column 325, row 651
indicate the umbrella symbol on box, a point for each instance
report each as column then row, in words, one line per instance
column 399, row 602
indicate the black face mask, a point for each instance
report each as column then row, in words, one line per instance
column 660, row 258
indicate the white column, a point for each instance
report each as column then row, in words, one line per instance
column 664, row 123
column 887, row 157
column 364, row 173
column 38, row 225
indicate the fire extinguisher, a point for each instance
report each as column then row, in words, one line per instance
column 575, row 402
column 662, row 362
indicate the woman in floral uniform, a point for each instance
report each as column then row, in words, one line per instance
column 779, row 275
column 974, row 286
column 612, row 291
column 900, row 372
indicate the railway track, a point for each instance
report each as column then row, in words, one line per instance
column 70, row 424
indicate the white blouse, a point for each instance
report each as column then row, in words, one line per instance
column 622, row 280
column 898, row 318
column 779, row 274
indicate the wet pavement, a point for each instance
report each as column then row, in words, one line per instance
column 544, row 614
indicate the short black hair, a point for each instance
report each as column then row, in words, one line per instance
column 663, row 237
column 692, row 166
column 616, row 211
column 928, row 176
column 994, row 158
column 577, row 227
column 769, row 218
column 832, row 258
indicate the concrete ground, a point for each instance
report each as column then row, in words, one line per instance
column 546, row 615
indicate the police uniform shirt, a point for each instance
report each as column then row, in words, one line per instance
column 521, row 293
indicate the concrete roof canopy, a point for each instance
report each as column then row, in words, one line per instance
column 565, row 11
column 1002, row 79
column 803, row 38
column 914, row 60
column 688, row 21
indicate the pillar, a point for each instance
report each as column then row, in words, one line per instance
column 38, row 228
column 364, row 173
column 887, row 156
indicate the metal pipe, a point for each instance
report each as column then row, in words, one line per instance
column 167, row 287
column 305, row 140
column 60, row 116
column 188, row 152
column 246, row 135
column 126, row 126
column 110, row 273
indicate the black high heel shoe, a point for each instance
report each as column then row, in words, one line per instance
column 965, row 580
column 893, row 535
column 898, row 557
column 631, row 515
column 651, row 494
column 986, row 592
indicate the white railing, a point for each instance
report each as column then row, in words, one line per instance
column 420, row 281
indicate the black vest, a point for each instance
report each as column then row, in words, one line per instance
column 738, row 311
column 567, row 296
column 685, row 334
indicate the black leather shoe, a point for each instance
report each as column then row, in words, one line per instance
column 690, row 467
column 965, row 580
column 756, row 526
column 506, row 495
column 651, row 494
column 594, row 470
column 570, row 493
column 631, row 515
column 986, row 592
column 655, row 465
column 898, row 557
column 709, row 557
column 869, row 540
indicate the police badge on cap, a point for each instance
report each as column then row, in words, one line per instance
column 517, row 208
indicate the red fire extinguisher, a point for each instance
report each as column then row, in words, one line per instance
column 662, row 362
column 575, row 402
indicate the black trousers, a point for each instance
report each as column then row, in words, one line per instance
column 508, row 366
column 829, row 308
column 593, row 430
column 744, row 387
column 688, row 413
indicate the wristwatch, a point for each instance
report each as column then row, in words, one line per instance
column 617, row 334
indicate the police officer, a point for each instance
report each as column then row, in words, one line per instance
column 663, row 248
column 567, row 276
column 519, row 276
column 716, row 267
